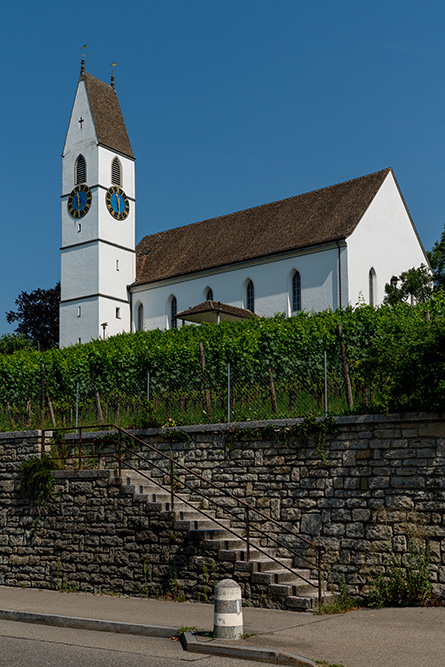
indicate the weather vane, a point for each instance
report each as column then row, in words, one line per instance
column 113, row 65
column 82, row 59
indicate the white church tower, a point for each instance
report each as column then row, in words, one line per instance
column 98, row 216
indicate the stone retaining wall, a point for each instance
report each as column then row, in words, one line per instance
column 366, row 494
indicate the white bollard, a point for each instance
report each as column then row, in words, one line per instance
column 228, row 620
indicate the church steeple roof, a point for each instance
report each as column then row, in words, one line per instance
column 107, row 115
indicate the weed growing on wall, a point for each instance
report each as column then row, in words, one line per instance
column 37, row 478
column 342, row 603
column 407, row 583
column 403, row 578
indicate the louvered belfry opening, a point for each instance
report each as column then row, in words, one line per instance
column 116, row 176
column 81, row 170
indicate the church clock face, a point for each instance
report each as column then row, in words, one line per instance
column 117, row 203
column 79, row 201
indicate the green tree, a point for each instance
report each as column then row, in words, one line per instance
column 416, row 285
column 38, row 316
column 436, row 257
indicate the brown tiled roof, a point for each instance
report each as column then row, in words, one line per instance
column 282, row 226
column 207, row 311
column 107, row 115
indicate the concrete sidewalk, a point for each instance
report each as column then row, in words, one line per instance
column 409, row 637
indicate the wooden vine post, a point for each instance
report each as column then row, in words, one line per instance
column 50, row 405
column 100, row 416
column 345, row 367
column 273, row 394
column 204, row 380
column 8, row 405
column 42, row 399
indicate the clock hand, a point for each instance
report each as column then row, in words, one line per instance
column 78, row 201
column 118, row 203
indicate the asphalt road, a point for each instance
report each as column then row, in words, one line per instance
column 31, row 645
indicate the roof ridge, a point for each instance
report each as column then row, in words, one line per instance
column 276, row 201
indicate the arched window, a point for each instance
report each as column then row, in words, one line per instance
column 173, row 313
column 250, row 296
column 140, row 318
column 372, row 287
column 296, row 292
column 209, row 294
column 80, row 170
column 116, row 172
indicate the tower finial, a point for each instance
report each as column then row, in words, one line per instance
column 113, row 65
column 82, row 60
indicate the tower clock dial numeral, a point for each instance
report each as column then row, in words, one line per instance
column 79, row 201
column 117, row 203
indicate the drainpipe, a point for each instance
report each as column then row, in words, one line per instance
column 339, row 275
column 130, row 299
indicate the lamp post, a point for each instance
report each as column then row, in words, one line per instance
column 104, row 327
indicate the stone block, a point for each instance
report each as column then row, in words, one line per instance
column 378, row 483
column 364, row 455
column 433, row 429
column 351, row 483
column 399, row 502
column 355, row 530
column 310, row 524
column 409, row 482
column 361, row 515
column 341, row 515
column 378, row 532
column 376, row 443
column 397, row 454
column 389, row 433
column 349, row 458
column 334, row 529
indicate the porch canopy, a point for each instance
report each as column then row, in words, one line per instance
column 214, row 311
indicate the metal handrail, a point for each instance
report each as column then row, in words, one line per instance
column 215, row 486
column 228, row 511
column 237, row 535
column 248, row 508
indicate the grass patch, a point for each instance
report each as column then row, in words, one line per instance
column 342, row 603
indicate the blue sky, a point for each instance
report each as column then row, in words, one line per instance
column 228, row 105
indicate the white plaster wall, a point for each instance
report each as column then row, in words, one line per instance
column 79, row 274
column 385, row 240
column 113, row 282
column 73, row 327
column 319, row 287
column 87, row 325
column 107, row 313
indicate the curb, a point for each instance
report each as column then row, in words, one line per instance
column 191, row 644
column 188, row 640
column 88, row 623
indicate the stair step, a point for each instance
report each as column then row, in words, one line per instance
column 279, row 581
column 264, row 564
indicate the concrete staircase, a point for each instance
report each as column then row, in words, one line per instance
column 283, row 585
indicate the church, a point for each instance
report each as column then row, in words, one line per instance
column 324, row 249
